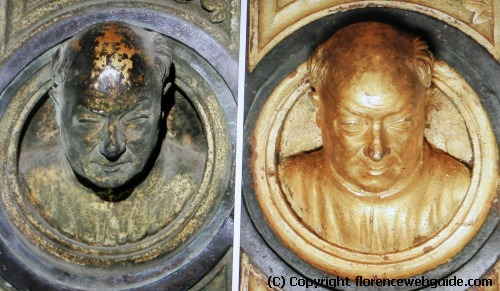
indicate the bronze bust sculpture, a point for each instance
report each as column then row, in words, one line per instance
column 118, row 136
column 116, row 178
column 107, row 89
column 376, row 185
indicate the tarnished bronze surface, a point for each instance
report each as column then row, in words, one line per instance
column 116, row 176
column 108, row 83
column 117, row 140
column 107, row 90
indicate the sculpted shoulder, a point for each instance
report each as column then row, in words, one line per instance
column 302, row 171
column 454, row 176
column 44, row 171
column 153, row 204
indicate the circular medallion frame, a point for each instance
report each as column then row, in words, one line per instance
column 38, row 255
column 343, row 261
column 292, row 241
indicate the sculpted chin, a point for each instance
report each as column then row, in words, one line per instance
column 376, row 185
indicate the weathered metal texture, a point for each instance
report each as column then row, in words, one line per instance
column 202, row 115
column 219, row 277
column 20, row 20
column 476, row 65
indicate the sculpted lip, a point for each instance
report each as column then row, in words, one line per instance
column 377, row 171
column 111, row 167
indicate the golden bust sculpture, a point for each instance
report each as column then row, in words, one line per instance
column 376, row 185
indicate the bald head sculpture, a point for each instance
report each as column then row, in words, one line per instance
column 108, row 83
column 369, row 83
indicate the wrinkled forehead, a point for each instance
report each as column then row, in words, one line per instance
column 110, row 59
column 378, row 66
column 379, row 91
column 117, row 104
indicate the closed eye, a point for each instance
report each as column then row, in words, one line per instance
column 87, row 120
column 139, row 117
column 351, row 126
column 401, row 124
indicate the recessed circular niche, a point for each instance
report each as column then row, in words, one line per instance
column 286, row 112
column 281, row 123
column 190, row 213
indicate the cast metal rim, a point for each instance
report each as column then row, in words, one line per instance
column 213, row 59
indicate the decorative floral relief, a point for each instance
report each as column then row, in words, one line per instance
column 482, row 10
column 219, row 9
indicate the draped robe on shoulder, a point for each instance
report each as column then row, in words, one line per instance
column 373, row 224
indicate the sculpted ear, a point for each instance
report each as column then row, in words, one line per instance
column 55, row 101
column 314, row 97
column 424, row 62
column 58, row 64
column 424, row 72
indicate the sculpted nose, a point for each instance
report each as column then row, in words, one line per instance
column 113, row 144
column 376, row 148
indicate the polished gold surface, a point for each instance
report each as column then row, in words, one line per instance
column 378, row 185
column 273, row 21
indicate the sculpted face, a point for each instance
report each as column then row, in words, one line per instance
column 109, row 106
column 110, row 142
column 369, row 84
column 374, row 129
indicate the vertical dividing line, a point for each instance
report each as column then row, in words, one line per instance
column 239, row 145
